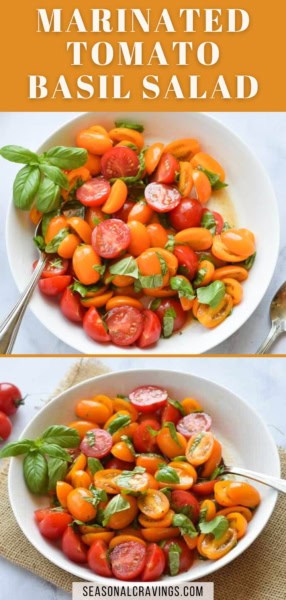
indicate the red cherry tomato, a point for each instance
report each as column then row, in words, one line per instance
column 97, row 443
column 97, row 559
column 41, row 513
column 188, row 260
column 53, row 286
column 171, row 413
column 188, row 213
column 155, row 563
column 10, row 398
column 94, row 326
column 110, row 238
column 117, row 463
column 54, row 266
column 186, row 503
column 73, row 547
column 151, row 331
column 128, row 560
column 181, row 315
column 204, row 488
column 148, row 398
column 54, row 524
column 186, row 556
column 161, row 197
column 5, row 426
column 143, row 439
column 93, row 192
column 167, row 169
column 123, row 213
column 194, row 423
column 71, row 306
column 125, row 325
column 218, row 219
column 119, row 162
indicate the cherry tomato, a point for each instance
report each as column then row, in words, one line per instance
column 218, row 219
column 95, row 141
column 148, row 398
column 53, row 286
column 185, row 179
column 140, row 211
column 186, row 503
column 124, row 212
column 155, row 563
column 212, row 548
column 143, row 438
column 94, row 326
column 119, row 162
column 97, row 558
column 73, row 547
column 154, row 504
column 183, row 148
column 5, row 426
column 78, row 506
column 171, row 413
column 188, row 260
column 204, row 488
column 151, row 329
column 54, row 227
column 84, row 261
column 71, row 306
column 128, row 560
column 97, row 443
column 150, row 462
column 211, row 317
column 118, row 464
column 167, row 169
column 201, row 159
column 168, row 445
column 186, row 556
column 194, row 423
column 54, row 266
column 161, row 197
column 180, row 318
column 110, row 238
column 199, row 448
column 214, row 460
column 157, row 235
column 152, row 156
column 10, row 398
column 54, row 524
column 126, row 134
column 94, row 216
column 116, row 197
column 202, row 186
column 93, row 192
column 125, row 325
column 140, row 240
column 187, row 213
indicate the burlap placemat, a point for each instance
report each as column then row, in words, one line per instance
column 259, row 574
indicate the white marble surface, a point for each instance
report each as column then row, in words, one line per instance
column 265, row 133
column 261, row 382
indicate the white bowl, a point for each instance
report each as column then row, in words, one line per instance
column 246, row 442
column 250, row 190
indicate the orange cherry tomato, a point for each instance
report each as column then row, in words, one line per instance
column 118, row 134
column 98, row 300
column 185, row 179
column 62, row 491
column 123, row 301
column 78, row 507
column 124, row 539
column 154, row 534
column 94, row 216
column 214, row 460
column 84, row 261
column 243, row 493
column 214, row 549
column 170, row 447
column 82, row 427
column 238, row 522
column 152, row 483
column 154, row 504
column 198, row 238
column 183, row 148
column 210, row 509
column 221, row 493
column 131, row 531
column 81, row 228
column 81, row 479
column 235, row 272
column 92, row 411
column 93, row 164
column 104, row 400
column 149, row 264
column 68, row 246
column 240, row 242
column 106, row 480
column 152, row 157
column 113, row 417
column 150, row 462
column 54, row 227
column 234, row 289
column 81, row 174
column 220, row 250
column 125, row 517
column 139, row 238
column 186, row 473
column 237, row 509
column 141, row 212
column 166, row 521
column 93, row 141
column 79, row 463
column 211, row 317
column 206, row 273
column 90, row 538
column 157, row 235
column 98, row 129
column 122, row 451
column 158, row 293
column 121, row 404
column 204, row 160
column 191, row 541
column 202, row 186
column 138, row 482
column 199, row 448
column 191, row 405
column 117, row 197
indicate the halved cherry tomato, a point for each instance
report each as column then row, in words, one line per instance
column 220, row 250
column 94, row 326
column 194, row 423
column 35, row 215
column 188, row 213
column 148, row 398
column 73, row 547
column 186, row 503
column 122, row 451
column 81, row 228
column 68, row 246
column 167, row 168
column 54, row 524
column 186, row 473
column 139, row 238
column 140, row 211
column 237, row 509
column 239, row 241
column 93, row 164
column 209, row 508
column 191, row 405
column 218, row 219
column 243, row 493
column 106, row 480
column 169, row 446
column 116, row 197
column 183, row 148
column 94, row 192
column 54, row 266
column 158, row 236
column 128, row 560
column 150, row 462
column 170, row 303
column 234, row 289
column 185, row 179
column 137, row 482
column 62, row 491
column 151, row 329
column 53, row 286
column 201, row 159
column 97, row 300
column 161, row 197
column 188, row 261
column 199, row 448
column 220, row 493
column 54, row 227
column 94, row 216
column 213, row 461
column 152, row 157
column 78, row 507
column 198, row 238
column 125, row 325
column 79, row 463
column 211, row 317
column 131, row 135
column 212, row 548
column 144, row 439
column 154, row 504
column 238, row 273
column 155, row 563
column 121, row 404
column 204, row 488
column 97, row 443
column 186, row 556
column 84, row 261
column 158, row 534
column 123, row 539
column 119, row 162
column 202, row 186
column 110, row 238
column 94, row 141
column 74, row 177
column 238, row 522
column 98, row 560
column 166, row 521
column 206, row 273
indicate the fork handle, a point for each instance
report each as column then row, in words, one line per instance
column 10, row 326
column 274, row 333
column 274, row 482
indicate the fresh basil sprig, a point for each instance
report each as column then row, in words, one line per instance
column 167, row 475
column 126, row 266
column 211, row 294
column 25, row 187
column 130, row 125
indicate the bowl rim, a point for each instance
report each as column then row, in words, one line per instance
column 183, row 577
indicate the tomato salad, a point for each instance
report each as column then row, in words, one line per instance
column 136, row 486
column 134, row 250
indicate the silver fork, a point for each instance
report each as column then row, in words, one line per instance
column 274, row 482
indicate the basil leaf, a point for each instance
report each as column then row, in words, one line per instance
column 66, row 158
column 18, row 154
column 153, row 432
column 83, row 290
column 174, row 558
column 66, row 437
column 98, row 496
column 211, row 294
column 214, row 178
column 151, row 281
column 170, row 245
column 199, row 276
column 55, row 174
column 155, row 304
column 249, row 262
column 124, row 479
column 163, row 264
column 55, row 451
column 57, row 470
column 16, row 448
column 167, row 491
column 100, row 269
column 181, row 459
column 55, row 243
column 136, row 178
column 130, row 125
column 39, row 242
column 167, row 475
column 73, row 208
column 217, row 472
column 226, row 226
column 129, row 444
column 183, row 287
column 178, row 406
column 94, row 465
column 123, row 397
column 48, row 196
column 219, row 185
column 25, row 187
column 185, row 525
column 117, row 504
column 36, row 473
column 46, row 218
column 168, row 322
column 208, row 222
column 126, row 266
column 118, row 423
column 217, row 526
column 137, row 286
column 173, row 432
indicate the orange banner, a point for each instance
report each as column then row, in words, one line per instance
column 205, row 55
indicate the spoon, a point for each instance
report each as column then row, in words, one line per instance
column 274, row 482
column 10, row 326
column 278, row 318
